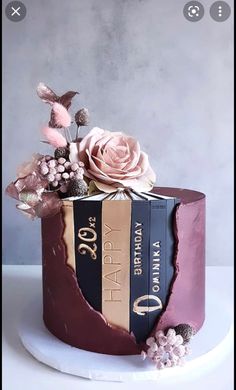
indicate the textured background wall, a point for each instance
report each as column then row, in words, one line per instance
column 140, row 67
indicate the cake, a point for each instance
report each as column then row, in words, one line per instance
column 123, row 260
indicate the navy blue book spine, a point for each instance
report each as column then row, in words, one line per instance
column 158, row 268
column 87, row 228
column 139, row 260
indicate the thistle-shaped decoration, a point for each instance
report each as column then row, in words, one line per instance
column 81, row 119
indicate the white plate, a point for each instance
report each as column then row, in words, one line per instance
column 208, row 346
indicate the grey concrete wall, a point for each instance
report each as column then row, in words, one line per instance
column 141, row 68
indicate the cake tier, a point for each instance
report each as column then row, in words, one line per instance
column 72, row 319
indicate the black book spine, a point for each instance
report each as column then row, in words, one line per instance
column 139, row 259
column 87, row 228
column 157, row 264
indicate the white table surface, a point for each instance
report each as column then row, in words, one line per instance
column 22, row 372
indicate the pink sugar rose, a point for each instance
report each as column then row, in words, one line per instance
column 113, row 160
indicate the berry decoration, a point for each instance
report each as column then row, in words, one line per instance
column 62, row 175
column 184, row 330
column 61, row 152
column 77, row 187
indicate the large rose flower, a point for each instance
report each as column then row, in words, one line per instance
column 113, row 160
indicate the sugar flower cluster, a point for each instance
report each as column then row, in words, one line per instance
column 102, row 160
column 166, row 350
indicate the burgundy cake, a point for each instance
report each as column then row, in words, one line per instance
column 123, row 260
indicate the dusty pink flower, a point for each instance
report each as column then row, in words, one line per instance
column 112, row 160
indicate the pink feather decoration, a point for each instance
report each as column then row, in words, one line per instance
column 61, row 116
column 54, row 137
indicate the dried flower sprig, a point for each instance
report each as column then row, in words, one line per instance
column 60, row 117
column 55, row 138
column 43, row 181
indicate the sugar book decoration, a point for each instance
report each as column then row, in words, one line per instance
column 88, row 251
column 123, row 270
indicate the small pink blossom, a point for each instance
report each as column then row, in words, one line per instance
column 159, row 333
column 170, row 333
column 179, row 351
column 150, row 340
column 162, row 340
column 178, row 340
column 154, row 347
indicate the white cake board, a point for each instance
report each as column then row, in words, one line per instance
column 209, row 346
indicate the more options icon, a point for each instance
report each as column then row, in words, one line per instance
column 220, row 11
column 193, row 11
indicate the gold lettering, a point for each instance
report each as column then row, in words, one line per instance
column 137, row 224
column 113, row 276
column 137, row 260
column 108, row 259
column 156, row 254
column 142, row 310
column 109, row 229
column 84, row 248
column 138, row 247
column 139, row 232
column 108, row 246
column 111, row 295
column 155, row 288
column 83, row 234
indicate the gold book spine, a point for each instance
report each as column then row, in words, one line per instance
column 69, row 235
column 116, row 227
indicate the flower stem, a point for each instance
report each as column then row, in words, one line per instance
column 68, row 135
column 77, row 133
